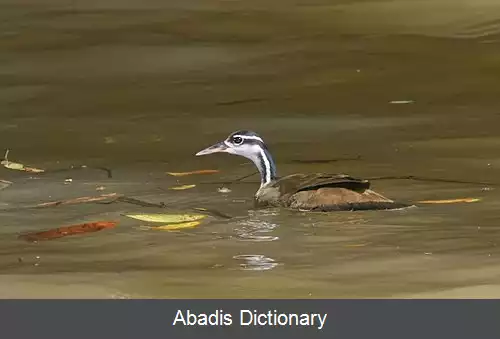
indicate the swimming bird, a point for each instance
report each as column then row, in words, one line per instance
column 310, row 192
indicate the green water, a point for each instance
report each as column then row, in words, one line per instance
column 140, row 86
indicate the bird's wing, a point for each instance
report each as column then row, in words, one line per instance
column 303, row 182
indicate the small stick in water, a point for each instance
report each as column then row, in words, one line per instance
column 417, row 178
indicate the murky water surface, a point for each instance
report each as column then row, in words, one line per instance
column 385, row 88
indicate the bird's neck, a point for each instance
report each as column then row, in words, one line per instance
column 265, row 163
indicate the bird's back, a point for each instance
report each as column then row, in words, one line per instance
column 323, row 192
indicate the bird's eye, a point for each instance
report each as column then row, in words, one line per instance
column 237, row 140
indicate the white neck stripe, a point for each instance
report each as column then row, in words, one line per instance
column 267, row 169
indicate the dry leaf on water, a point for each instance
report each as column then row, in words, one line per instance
column 357, row 245
column 68, row 230
column 79, row 200
column 167, row 218
column 449, row 201
column 17, row 166
column 181, row 174
column 33, row 170
column 401, row 102
column 180, row 188
column 173, row 227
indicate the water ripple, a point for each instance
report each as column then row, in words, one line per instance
column 256, row 262
column 255, row 230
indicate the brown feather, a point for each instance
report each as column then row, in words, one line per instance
column 304, row 182
column 323, row 192
column 337, row 199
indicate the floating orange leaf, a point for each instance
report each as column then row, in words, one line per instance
column 68, row 230
column 449, row 201
column 182, row 174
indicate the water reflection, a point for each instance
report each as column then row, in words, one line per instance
column 256, row 262
column 255, row 228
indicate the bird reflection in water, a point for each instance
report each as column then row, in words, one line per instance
column 256, row 228
column 256, row 262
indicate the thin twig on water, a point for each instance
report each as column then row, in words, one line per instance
column 418, row 178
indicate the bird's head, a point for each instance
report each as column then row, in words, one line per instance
column 250, row 145
column 245, row 143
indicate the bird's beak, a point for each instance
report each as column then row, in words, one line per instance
column 218, row 147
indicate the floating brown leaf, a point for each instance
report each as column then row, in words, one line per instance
column 181, row 174
column 33, row 170
column 79, row 200
column 68, row 230
column 449, row 201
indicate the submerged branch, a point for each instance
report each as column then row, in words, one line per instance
column 111, row 198
column 138, row 202
column 418, row 178
column 108, row 171
column 21, row 167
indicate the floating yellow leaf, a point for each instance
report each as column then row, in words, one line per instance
column 449, row 201
column 12, row 165
column 17, row 166
column 167, row 218
column 172, row 227
column 181, row 174
column 180, row 188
